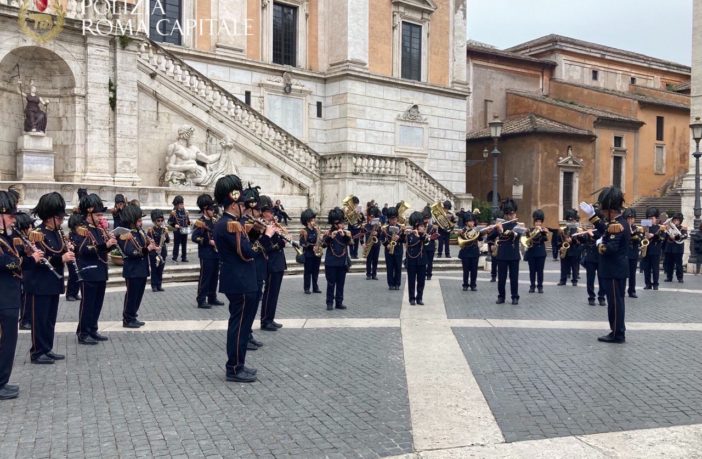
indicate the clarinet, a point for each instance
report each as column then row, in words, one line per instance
column 71, row 264
column 42, row 261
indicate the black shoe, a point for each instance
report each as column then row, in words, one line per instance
column 160, row 289
column 277, row 325
column 465, row 288
column 648, row 287
column 633, row 295
column 655, row 287
column 316, row 291
column 203, row 305
column 86, row 339
column 532, row 289
column 500, row 300
column 71, row 298
column 43, row 360
column 8, row 392
column 392, row 287
column 184, row 260
column 575, row 284
column 611, row 339
column 340, row 306
column 174, row 260
column 541, row 290
column 428, row 277
column 680, row 281
column 493, row 279
column 515, row 300
column 241, row 376
column 591, row 301
column 250, row 346
column 412, row 302
column 330, row 307
column 473, row 289
column 269, row 327
column 667, row 280
column 368, row 278
column 54, row 356
column 98, row 337
column 307, row 292
column 374, row 278
column 216, row 302
column 154, row 289
column 603, row 302
column 25, row 326
column 251, row 371
column 420, row 302
column 256, row 342
column 132, row 324
column 561, row 283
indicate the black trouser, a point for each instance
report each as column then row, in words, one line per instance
column 633, row 263
column 132, row 298
column 470, row 271
column 311, row 275
column 242, row 312
column 270, row 297
column 26, row 309
column 673, row 262
column 614, row 289
column 502, row 268
column 372, row 261
column 180, row 242
column 72, row 286
column 493, row 266
column 259, row 295
column 44, row 311
column 207, row 284
column 394, row 267
column 416, row 275
column 430, row 262
column 93, row 294
column 592, row 271
column 336, row 278
column 353, row 250
column 8, row 342
column 156, row 271
column 536, row 271
column 652, row 270
column 444, row 244
column 570, row 267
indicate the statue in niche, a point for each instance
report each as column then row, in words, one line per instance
column 34, row 117
column 187, row 165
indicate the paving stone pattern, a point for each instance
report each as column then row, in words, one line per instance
column 322, row 393
column 552, row 383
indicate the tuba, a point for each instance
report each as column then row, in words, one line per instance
column 353, row 217
column 441, row 217
column 402, row 210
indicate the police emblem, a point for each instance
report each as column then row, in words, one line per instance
column 45, row 26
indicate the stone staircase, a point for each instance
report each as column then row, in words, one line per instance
column 671, row 202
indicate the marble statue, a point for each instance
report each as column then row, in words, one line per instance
column 34, row 117
column 187, row 165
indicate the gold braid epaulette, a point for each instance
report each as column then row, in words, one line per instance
column 594, row 219
column 36, row 236
column 17, row 242
column 234, row 227
column 615, row 228
column 126, row 236
column 82, row 231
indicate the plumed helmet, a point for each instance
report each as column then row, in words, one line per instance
column 470, row 217
column 336, row 215
column 652, row 212
column 426, row 212
column 119, row 198
column 265, row 203
column 629, row 212
column 178, row 200
column 50, row 205
column 571, row 214
column 8, row 203
column 447, row 205
column 391, row 212
column 227, row 190
column 508, row 206
column 82, row 192
column 15, row 193
column 24, row 221
column 611, row 198
column 374, row 212
column 538, row 214
column 355, row 200
column 75, row 220
column 678, row 216
column 156, row 214
column 498, row 214
column 416, row 218
column 131, row 214
column 250, row 196
column 204, row 202
column 91, row 201
column 306, row 216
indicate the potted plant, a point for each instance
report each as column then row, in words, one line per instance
column 116, row 257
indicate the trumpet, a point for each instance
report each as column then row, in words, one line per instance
column 33, row 248
column 282, row 232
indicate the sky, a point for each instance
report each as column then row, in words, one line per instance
column 661, row 29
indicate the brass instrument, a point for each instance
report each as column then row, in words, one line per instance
column 673, row 232
column 353, row 217
column 644, row 247
column 281, row 230
column 199, row 224
column 149, row 241
column 527, row 240
column 468, row 237
column 373, row 240
column 563, row 251
column 402, row 210
column 441, row 217
column 318, row 248
column 392, row 231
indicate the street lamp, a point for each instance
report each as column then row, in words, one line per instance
column 696, row 127
column 495, row 133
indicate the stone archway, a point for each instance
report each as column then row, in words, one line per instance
column 56, row 82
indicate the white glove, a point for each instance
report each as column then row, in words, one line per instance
column 598, row 242
column 587, row 209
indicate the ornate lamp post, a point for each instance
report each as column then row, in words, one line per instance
column 495, row 133
column 696, row 127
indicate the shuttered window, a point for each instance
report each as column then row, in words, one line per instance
column 411, row 51
column 617, row 168
column 567, row 191
column 165, row 21
column 284, row 34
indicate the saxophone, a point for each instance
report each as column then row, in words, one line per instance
column 370, row 243
column 318, row 248
column 390, row 230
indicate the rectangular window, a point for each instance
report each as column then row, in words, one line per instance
column 567, row 191
column 659, row 165
column 411, row 51
column 284, row 34
column 659, row 128
column 633, row 80
column 319, row 109
column 247, row 97
column 165, row 17
column 595, row 75
column 617, row 170
column 618, row 141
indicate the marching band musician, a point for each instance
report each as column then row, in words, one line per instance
column 652, row 261
column 674, row 248
column 416, row 259
column 136, row 248
column 392, row 238
column 93, row 244
column 535, row 254
column 116, row 211
column 356, row 230
column 612, row 244
column 491, row 245
column 44, row 286
column 633, row 249
column 72, row 287
column 275, row 270
column 469, row 254
column 309, row 239
column 10, row 279
column 207, row 253
column 180, row 222
column 372, row 230
column 238, row 273
column 432, row 236
column 570, row 257
column 507, row 240
column 444, row 235
column 337, row 241
column 591, row 260
column 159, row 234
column 24, row 223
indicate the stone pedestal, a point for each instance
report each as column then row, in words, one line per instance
column 35, row 157
column 464, row 200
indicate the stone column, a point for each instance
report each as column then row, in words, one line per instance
column 348, row 43
column 126, row 127
column 458, row 58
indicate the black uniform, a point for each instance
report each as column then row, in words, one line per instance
column 673, row 252
column 507, row 260
column 430, row 247
column 161, row 237
column 393, row 261
column 10, row 279
column 652, row 261
column 274, row 279
column 570, row 263
column 633, row 256
column 209, row 262
column 536, row 258
column 135, row 271
column 469, row 256
column 591, row 260
column 308, row 239
column 374, row 253
column 92, row 258
column 180, row 239
column 444, row 237
column 356, row 235
column 416, row 266
column 72, row 286
column 335, row 267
